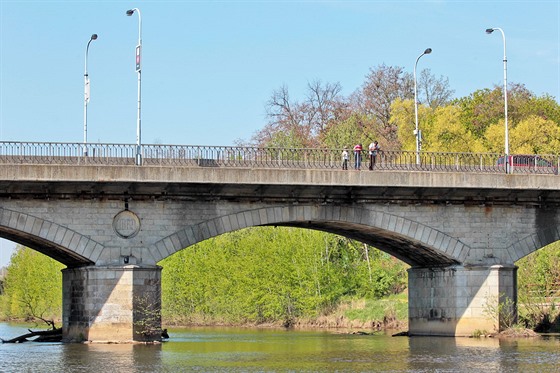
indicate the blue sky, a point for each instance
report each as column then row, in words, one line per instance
column 210, row 66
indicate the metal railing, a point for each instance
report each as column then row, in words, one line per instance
column 254, row 157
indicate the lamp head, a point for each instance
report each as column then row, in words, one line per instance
column 428, row 51
column 130, row 12
column 489, row 30
column 94, row 37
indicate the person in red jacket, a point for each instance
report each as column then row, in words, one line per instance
column 357, row 156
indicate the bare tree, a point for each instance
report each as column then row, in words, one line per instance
column 433, row 92
column 323, row 105
column 293, row 123
column 286, row 121
column 383, row 85
column 281, row 111
column 306, row 123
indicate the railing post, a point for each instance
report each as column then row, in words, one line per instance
column 138, row 155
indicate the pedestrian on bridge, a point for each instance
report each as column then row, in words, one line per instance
column 357, row 156
column 345, row 159
column 373, row 150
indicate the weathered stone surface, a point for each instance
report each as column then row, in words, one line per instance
column 455, row 301
column 458, row 226
column 111, row 304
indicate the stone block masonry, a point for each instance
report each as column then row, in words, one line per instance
column 461, row 233
column 456, row 301
column 111, row 304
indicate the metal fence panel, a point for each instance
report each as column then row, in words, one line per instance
column 255, row 157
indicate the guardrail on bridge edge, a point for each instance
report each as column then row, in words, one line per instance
column 256, row 157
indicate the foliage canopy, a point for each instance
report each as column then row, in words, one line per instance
column 263, row 275
column 32, row 287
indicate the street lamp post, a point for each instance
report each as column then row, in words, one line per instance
column 417, row 131
column 139, row 71
column 86, row 93
column 489, row 31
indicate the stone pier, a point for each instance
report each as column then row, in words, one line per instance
column 112, row 304
column 455, row 301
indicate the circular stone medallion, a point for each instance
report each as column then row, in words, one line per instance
column 126, row 224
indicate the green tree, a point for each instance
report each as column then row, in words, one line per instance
column 260, row 275
column 385, row 85
column 545, row 107
column 494, row 137
column 353, row 130
column 539, row 288
column 481, row 109
column 402, row 117
column 484, row 109
column 33, row 286
column 444, row 132
column 535, row 135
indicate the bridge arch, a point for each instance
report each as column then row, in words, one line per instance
column 416, row 244
column 533, row 242
column 55, row 241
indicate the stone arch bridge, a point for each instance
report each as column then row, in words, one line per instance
column 461, row 233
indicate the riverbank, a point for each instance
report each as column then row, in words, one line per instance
column 389, row 313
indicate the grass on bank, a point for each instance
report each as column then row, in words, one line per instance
column 388, row 313
column 393, row 307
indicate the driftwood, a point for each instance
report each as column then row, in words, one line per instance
column 52, row 335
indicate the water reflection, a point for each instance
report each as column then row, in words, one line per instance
column 484, row 354
column 117, row 357
column 454, row 354
column 251, row 350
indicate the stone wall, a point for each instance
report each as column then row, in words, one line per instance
column 111, row 304
column 456, row 301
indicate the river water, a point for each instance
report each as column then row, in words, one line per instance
column 266, row 350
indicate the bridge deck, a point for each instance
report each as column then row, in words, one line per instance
column 49, row 181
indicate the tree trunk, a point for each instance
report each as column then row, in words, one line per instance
column 53, row 335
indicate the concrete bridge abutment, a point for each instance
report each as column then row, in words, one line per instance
column 112, row 304
column 459, row 300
